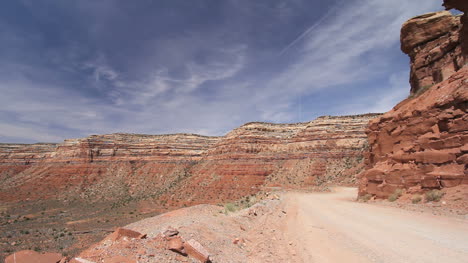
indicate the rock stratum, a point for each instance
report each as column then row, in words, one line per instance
column 422, row 143
column 184, row 169
column 461, row 5
column 432, row 42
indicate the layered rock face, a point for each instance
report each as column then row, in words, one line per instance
column 432, row 41
column 102, row 167
column 15, row 158
column 185, row 169
column 422, row 143
column 461, row 5
column 259, row 155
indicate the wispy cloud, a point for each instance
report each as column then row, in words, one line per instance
column 348, row 48
column 329, row 13
column 183, row 72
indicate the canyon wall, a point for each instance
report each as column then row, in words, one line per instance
column 264, row 155
column 461, row 5
column 422, row 143
column 184, row 169
column 99, row 167
column 432, row 42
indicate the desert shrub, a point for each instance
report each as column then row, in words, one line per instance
column 416, row 199
column 434, row 195
column 247, row 201
column 420, row 91
column 365, row 197
column 393, row 197
column 229, row 207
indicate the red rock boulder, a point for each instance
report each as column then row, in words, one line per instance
column 29, row 256
column 197, row 251
column 121, row 233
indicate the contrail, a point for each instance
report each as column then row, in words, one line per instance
column 320, row 21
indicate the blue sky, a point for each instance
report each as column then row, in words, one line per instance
column 70, row 69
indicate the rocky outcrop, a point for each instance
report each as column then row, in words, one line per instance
column 461, row 5
column 432, row 42
column 422, row 143
column 184, row 169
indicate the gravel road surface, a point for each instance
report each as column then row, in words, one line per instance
column 332, row 227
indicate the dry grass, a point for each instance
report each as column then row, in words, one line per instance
column 393, row 197
column 230, row 208
column 365, row 197
column 416, row 199
column 434, row 196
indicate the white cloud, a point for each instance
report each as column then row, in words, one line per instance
column 348, row 46
column 164, row 90
column 382, row 99
column 31, row 132
column 164, row 104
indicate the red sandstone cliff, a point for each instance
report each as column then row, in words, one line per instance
column 432, row 42
column 461, row 5
column 423, row 142
column 259, row 155
column 184, row 168
column 98, row 167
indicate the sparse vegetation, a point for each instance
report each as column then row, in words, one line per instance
column 416, row 199
column 420, row 91
column 248, row 201
column 393, row 197
column 434, row 196
column 365, row 197
column 230, row 207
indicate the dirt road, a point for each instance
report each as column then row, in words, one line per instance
column 331, row 227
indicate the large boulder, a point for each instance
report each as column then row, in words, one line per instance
column 29, row 256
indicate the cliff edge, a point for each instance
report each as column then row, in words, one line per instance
column 422, row 143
